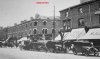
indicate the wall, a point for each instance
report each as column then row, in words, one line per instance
column 23, row 30
column 89, row 16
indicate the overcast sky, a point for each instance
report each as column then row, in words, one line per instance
column 14, row 11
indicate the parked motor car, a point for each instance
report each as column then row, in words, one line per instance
column 55, row 46
column 25, row 45
column 85, row 48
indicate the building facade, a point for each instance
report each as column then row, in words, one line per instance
column 36, row 27
column 84, row 14
column 82, row 1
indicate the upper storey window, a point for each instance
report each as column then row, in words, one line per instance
column 35, row 23
column 44, row 31
column 81, row 22
column 35, row 31
column 80, row 10
column 66, row 14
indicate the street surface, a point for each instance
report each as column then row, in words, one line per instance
column 15, row 53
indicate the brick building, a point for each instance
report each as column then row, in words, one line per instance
column 84, row 14
column 35, row 27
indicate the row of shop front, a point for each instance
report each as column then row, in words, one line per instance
column 80, row 33
column 93, row 35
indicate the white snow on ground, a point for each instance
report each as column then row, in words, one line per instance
column 15, row 53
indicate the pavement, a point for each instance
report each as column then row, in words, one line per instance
column 16, row 53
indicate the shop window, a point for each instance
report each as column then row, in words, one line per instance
column 35, row 23
column 81, row 22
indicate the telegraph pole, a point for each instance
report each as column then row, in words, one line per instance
column 54, row 24
column 90, row 15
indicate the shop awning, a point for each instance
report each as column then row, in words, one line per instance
column 66, row 35
column 23, row 39
column 75, row 34
column 97, row 12
column 92, row 34
column 59, row 37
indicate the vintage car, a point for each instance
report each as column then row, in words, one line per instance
column 85, row 48
column 24, row 45
column 67, row 45
column 55, row 46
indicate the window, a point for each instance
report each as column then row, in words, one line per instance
column 81, row 22
column 35, row 31
column 69, row 27
column 35, row 23
column 44, row 31
column 69, row 24
column 44, row 22
column 66, row 14
column 80, row 10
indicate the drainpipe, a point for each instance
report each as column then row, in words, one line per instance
column 90, row 15
column 54, row 23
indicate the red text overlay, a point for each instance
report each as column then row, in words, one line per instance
column 41, row 2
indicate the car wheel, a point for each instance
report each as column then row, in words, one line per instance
column 96, row 54
column 86, row 54
column 75, row 53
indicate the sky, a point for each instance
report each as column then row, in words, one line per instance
column 14, row 11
